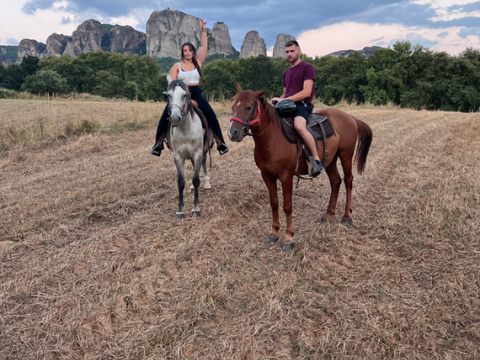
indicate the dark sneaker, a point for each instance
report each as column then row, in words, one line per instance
column 222, row 148
column 157, row 150
column 317, row 168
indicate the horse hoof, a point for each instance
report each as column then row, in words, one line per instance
column 322, row 221
column 287, row 246
column 347, row 222
column 271, row 240
column 178, row 216
column 196, row 213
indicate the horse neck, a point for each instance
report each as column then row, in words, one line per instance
column 271, row 134
column 189, row 125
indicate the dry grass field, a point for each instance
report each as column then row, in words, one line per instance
column 94, row 266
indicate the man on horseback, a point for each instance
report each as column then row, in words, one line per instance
column 298, row 86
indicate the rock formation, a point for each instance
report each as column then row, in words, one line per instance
column 168, row 29
column 87, row 38
column 56, row 44
column 8, row 54
column 126, row 37
column 30, row 47
column 221, row 44
column 253, row 45
column 279, row 48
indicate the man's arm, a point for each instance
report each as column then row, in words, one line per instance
column 305, row 93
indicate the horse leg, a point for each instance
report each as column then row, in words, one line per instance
column 197, row 163
column 287, row 187
column 346, row 159
column 335, row 182
column 271, row 183
column 205, row 174
column 179, row 162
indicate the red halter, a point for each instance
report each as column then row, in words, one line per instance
column 251, row 121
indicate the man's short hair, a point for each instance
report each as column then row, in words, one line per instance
column 291, row 43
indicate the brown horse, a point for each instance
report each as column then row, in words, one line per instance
column 277, row 158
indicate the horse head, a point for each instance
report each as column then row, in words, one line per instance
column 178, row 99
column 246, row 113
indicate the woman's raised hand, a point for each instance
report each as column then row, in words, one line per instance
column 203, row 25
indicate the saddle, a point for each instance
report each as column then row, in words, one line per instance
column 320, row 128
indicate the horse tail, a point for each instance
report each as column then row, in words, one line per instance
column 365, row 136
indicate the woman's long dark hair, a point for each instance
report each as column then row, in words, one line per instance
column 194, row 58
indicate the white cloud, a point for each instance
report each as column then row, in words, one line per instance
column 17, row 25
column 14, row 24
column 351, row 35
column 124, row 20
column 441, row 7
column 439, row 4
column 270, row 51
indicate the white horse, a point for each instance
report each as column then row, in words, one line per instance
column 186, row 140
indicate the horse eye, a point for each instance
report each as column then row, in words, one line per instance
column 249, row 108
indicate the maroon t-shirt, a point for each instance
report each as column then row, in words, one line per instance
column 294, row 77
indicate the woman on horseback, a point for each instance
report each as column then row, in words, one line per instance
column 189, row 68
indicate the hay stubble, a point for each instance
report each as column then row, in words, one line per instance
column 93, row 266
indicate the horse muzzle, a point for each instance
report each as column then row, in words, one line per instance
column 234, row 133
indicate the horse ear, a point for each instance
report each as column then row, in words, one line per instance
column 187, row 80
column 258, row 94
column 239, row 88
column 169, row 79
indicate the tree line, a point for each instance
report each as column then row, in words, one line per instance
column 405, row 75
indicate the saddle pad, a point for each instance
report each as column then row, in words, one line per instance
column 313, row 119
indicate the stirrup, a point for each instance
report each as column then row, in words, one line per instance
column 157, row 149
column 317, row 167
column 222, row 148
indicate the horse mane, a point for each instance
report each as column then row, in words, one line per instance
column 176, row 83
column 269, row 109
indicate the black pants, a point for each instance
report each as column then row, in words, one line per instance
column 304, row 110
column 202, row 105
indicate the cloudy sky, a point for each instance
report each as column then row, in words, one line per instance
column 320, row 26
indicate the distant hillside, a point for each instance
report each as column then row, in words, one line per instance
column 8, row 54
column 367, row 51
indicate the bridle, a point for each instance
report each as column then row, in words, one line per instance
column 183, row 111
column 251, row 120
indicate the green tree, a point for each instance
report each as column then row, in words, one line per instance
column 45, row 81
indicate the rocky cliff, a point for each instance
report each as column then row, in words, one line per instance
column 253, row 45
column 126, row 38
column 30, row 47
column 279, row 48
column 168, row 29
column 221, row 44
column 56, row 44
column 87, row 38
column 8, row 54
